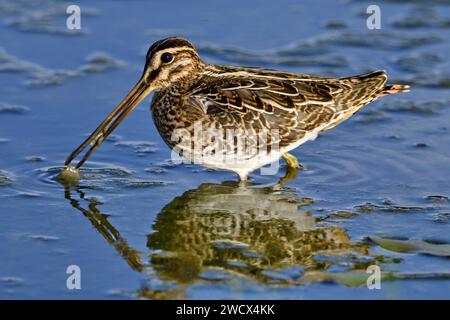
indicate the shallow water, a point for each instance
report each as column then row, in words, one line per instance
column 139, row 226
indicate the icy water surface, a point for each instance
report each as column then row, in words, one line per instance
column 374, row 190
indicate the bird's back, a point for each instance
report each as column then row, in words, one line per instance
column 294, row 104
column 288, row 108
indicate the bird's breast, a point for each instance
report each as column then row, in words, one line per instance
column 170, row 115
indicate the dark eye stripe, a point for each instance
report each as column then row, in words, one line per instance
column 172, row 42
column 154, row 74
column 178, row 69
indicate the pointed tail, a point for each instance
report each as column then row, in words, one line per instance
column 395, row 88
column 375, row 82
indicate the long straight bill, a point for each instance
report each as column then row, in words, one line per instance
column 136, row 95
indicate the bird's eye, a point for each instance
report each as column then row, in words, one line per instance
column 166, row 57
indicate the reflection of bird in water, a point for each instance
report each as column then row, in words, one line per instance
column 106, row 229
column 273, row 111
column 229, row 229
column 244, row 230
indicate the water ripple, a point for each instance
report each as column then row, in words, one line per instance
column 5, row 179
column 418, row 62
column 421, row 17
column 356, row 168
column 39, row 75
column 40, row 16
column 11, row 108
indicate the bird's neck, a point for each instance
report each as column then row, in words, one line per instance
column 185, row 84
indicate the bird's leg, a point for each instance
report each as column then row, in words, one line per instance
column 243, row 179
column 292, row 168
column 290, row 174
column 291, row 161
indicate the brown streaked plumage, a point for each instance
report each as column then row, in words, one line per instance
column 289, row 108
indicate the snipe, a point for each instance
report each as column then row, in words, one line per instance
column 271, row 112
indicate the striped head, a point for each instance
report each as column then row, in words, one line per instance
column 171, row 61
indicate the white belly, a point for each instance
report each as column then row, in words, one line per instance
column 242, row 164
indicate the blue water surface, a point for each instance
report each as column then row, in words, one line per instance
column 139, row 226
